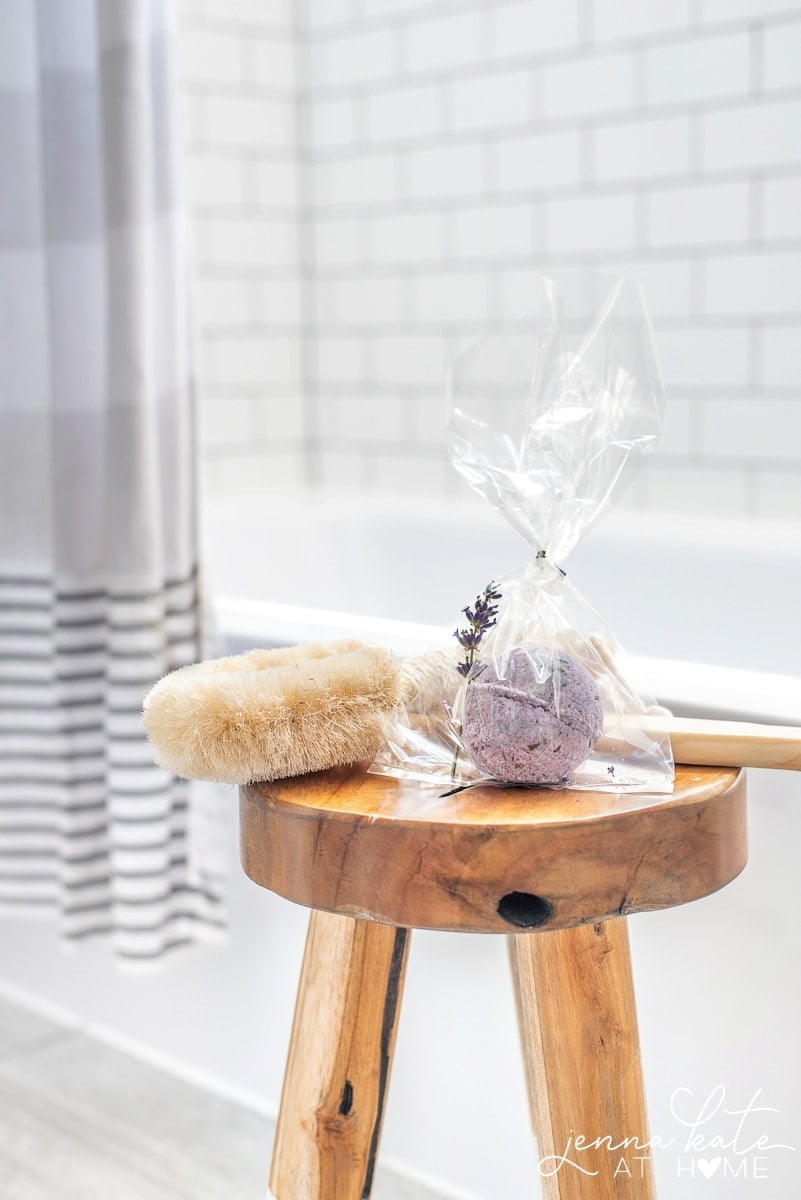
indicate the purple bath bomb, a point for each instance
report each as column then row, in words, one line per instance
column 511, row 728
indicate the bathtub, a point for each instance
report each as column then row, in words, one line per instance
column 697, row 606
column 708, row 612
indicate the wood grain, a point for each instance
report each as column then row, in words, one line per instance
column 578, row 1027
column 339, row 1061
column 368, row 846
column 730, row 743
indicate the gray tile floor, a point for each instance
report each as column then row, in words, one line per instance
column 82, row 1121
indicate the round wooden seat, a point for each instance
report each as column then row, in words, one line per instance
column 557, row 870
column 491, row 859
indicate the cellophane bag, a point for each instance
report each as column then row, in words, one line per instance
column 543, row 421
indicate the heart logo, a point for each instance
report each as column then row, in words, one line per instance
column 708, row 1166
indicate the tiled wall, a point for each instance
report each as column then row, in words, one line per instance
column 444, row 151
column 239, row 88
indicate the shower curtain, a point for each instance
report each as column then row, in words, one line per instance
column 99, row 581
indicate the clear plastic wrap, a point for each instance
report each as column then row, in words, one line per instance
column 543, row 430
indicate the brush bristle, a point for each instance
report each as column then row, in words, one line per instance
column 271, row 714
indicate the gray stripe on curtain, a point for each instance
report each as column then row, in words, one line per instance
column 100, row 591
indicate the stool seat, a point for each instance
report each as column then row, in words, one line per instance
column 491, row 859
column 558, row 871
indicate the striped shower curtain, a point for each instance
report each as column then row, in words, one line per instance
column 99, row 582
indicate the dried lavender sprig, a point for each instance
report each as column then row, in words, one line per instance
column 481, row 618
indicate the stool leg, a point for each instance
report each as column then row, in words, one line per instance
column 339, row 1061
column 578, row 1025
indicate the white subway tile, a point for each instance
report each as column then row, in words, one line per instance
column 357, row 57
column 752, row 136
column 342, row 469
column 696, row 357
column 778, row 494
column 401, row 327
column 189, row 14
column 430, row 418
column 616, row 20
column 277, row 15
column 449, row 297
column 704, row 214
column 695, row 491
column 488, row 101
column 782, row 49
column 266, row 468
column 253, row 360
column 193, row 118
column 278, row 299
column 214, row 180
column 667, row 286
column 406, row 237
column 699, row 70
column 222, row 302
column 594, row 223
column 339, row 358
column 603, row 83
column 316, row 63
column 332, row 122
column 243, row 241
column 337, row 241
column 538, row 161
column 323, row 15
column 678, row 426
column 383, row 8
column 518, row 294
column 448, row 41
column 406, row 358
column 282, row 358
column 278, row 417
column 494, row 231
column 249, row 121
column 370, row 301
column 210, row 57
column 736, row 10
column 535, row 26
column 782, row 211
column 207, row 362
column 643, row 149
column 370, row 179
column 202, row 233
column 781, row 357
column 361, row 418
column 448, row 170
column 269, row 61
column 278, row 182
column 754, row 283
column 407, row 112
column 413, row 471
column 764, row 428
column 225, row 421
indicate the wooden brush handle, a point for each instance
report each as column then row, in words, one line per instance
column 699, row 742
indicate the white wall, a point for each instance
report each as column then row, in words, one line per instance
column 375, row 181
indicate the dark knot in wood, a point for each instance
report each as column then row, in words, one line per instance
column 524, row 910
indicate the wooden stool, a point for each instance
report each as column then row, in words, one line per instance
column 374, row 858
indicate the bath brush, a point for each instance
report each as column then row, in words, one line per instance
column 271, row 714
column 703, row 742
